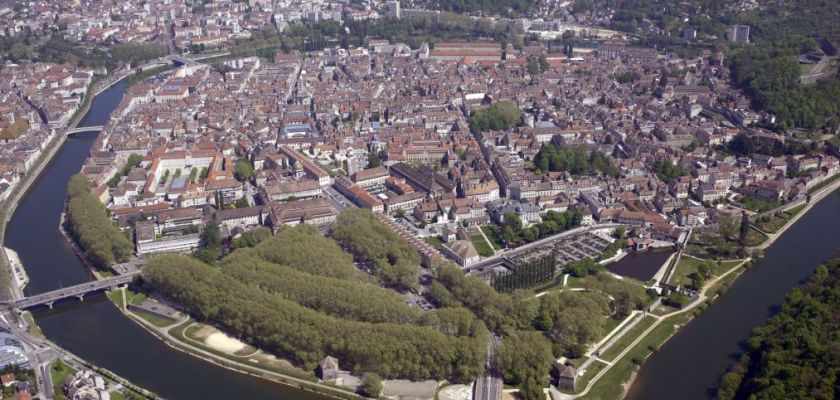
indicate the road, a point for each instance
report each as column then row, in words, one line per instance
column 489, row 386
column 496, row 258
column 337, row 199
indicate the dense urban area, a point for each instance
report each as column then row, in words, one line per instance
column 448, row 199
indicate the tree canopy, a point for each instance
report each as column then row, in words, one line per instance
column 499, row 116
column 391, row 257
column 90, row 226
column 795, row 354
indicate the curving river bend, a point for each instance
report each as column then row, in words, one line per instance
column 95, row 330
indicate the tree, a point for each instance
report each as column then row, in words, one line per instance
column 243, row 170
column 211, row 238
column 726, row 227
column 524, row 358
column 371, row 385
column 374, row 160
column 744, row 230
column 501, row 115
column 242, row 202
column 620, row 232
column 704, row 269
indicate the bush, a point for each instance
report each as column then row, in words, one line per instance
column 371, row 385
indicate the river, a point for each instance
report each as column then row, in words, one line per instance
column 692, row 362
column 94, row 329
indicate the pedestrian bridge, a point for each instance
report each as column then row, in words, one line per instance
column 79, row 291
column 84, row 129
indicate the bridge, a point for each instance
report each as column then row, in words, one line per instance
column 84, row 129
column 79, row 291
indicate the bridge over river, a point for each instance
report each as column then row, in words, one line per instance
column 79, row 291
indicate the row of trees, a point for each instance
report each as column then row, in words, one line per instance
column 303, row 335
column 393, row 259
column 571, row 320
column 348, row 299
column 575, row 160
column 304, row 248
column 553, row 222
column 795, row 354
column 529, row 274
column 89, row 225
column 133, row 160
column 501, row 312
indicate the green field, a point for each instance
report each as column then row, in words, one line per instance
column 688, row 266
column 59, row 371
column 481, row 246
column 611, row 384
column 434, row 241
column 492, row 237
column 773, row 223
column 622, row 343
column 155, row 320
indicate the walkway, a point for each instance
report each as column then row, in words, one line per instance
column 701, row 297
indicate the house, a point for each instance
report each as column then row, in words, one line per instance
column 565, row 376
column 370, row 177
column 7, row 379
column 462, row 252
column 246, row 217
column 328, row 368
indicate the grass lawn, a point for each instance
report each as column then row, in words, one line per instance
column 687, row 267
column 774, row 223
column 583, row 380
column 155, row 320
column 611, row 324
column 755, row 238
column 481, row 246
column 34, row 329
column 611, row 353
column 723, row 285
column 135, row 298
column 59, row 371
column 116, row 297
column 117, row 396
column 758, row 205
column 611, row 384
column 491, row 235
column 434, row 241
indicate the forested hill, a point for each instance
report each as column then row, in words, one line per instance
column 796, row 355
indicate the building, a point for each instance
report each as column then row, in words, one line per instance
column 565, row 376
column 246, row 217
column 318, row 212
column 739, row 33
column 11, row 351
column 393, row 9
column 328, row 368
column 147, row 241
column 462, row 252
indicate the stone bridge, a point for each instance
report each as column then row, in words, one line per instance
column 95, row 128
column 79, row 291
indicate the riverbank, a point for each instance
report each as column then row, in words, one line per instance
column 165, row 335
column 627, row 364
column 10, row 289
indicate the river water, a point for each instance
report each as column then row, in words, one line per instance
column 95, row 330
column 690, row 364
